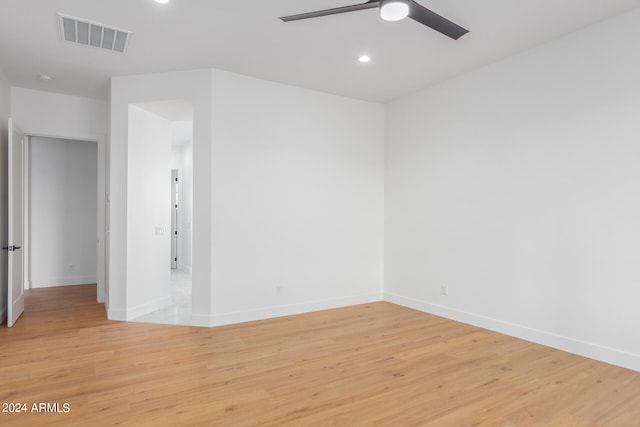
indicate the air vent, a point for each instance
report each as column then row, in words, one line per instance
column 89, row 33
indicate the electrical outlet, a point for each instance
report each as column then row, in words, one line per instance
column 279, row 291
column 444, row 289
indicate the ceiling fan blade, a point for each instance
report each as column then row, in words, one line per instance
column 431, row 19
column 368, row 5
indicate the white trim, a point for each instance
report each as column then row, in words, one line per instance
column 54, row 282
column 146, row 308
column 116, row 314
column 88, row 138
column 571, row 345
column 282, row 310
column 101, row 171
column 26, row 214
column 201, row 320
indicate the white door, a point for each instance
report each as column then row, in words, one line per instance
column 16, row 289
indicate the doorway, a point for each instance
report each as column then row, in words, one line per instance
column 161, row 140
column 61, row 212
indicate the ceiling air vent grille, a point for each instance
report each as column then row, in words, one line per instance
column 89, row 33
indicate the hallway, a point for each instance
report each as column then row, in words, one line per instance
column 179, row 313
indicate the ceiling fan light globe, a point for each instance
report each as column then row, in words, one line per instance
column 394, row 10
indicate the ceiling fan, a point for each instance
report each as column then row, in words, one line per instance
column 394, row 10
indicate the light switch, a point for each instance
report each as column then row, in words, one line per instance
column 159, row 231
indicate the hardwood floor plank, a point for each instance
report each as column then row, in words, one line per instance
column 369, row 365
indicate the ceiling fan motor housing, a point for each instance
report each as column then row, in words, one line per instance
column 394, row 10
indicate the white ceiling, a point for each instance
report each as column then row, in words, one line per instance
column 246, row 37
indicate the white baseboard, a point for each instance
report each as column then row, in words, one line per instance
column 201, row 320
column 282, row 310
column 62, row 281
column 586, row 349
column 132, row 313
column 116, row 314
column 148, row 307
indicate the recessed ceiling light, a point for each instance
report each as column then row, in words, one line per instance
column 364, row 59
column 162, row 1
column 45, row 77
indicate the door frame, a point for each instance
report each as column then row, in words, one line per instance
column 101, row 200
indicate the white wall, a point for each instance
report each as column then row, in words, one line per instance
column 5, row 108
column 191, row 86
column 148, row 212
column 297, row 196
column 62, row 212
column 72, row 117
column 176, row 157
column 55, row 114
column 287, row 192
column 186, row 239
column 516, row 186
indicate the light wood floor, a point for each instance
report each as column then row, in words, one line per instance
column 369, row 365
